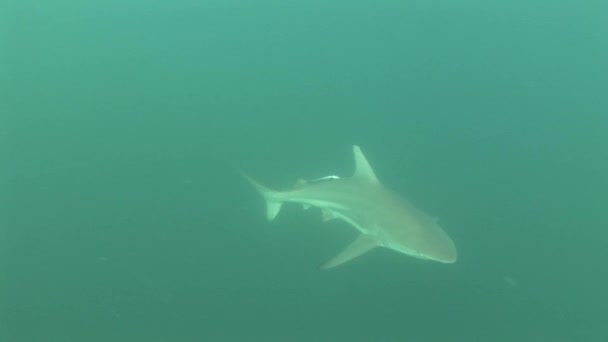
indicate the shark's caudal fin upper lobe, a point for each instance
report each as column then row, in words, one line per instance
column 273, row 198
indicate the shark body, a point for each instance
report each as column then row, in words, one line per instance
column 382, row 217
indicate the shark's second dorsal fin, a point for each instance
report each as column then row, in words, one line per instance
column 300, row 183
column 362, row 168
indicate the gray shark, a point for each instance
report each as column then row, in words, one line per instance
column 383, row 218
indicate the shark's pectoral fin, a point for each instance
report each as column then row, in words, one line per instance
column 362, row 244
column 272, row 209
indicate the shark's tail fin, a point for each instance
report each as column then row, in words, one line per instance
column 273, row 198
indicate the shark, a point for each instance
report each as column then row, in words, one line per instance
column 382, row 217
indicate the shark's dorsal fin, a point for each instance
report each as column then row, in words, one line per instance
column 362, row 244
column 362, row 168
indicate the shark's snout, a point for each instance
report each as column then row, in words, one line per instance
column 445, row 253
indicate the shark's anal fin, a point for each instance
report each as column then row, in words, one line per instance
column 362, row 244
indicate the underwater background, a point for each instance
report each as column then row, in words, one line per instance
column 123, row 125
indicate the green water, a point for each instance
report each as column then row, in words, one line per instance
column 122, row 125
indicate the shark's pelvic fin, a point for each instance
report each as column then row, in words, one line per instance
column 327, row 215
column 362, row 244
column 362, row 168
column 273, row 198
